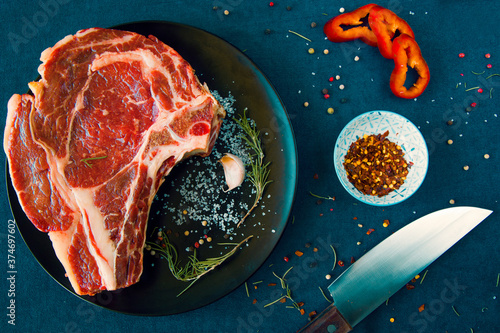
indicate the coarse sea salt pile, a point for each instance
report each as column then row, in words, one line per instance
column 196, row 186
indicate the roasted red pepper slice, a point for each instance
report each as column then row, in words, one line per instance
column 384, row 24
column 407, row 53
column 334, row 31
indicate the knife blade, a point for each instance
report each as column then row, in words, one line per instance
column 386, row 268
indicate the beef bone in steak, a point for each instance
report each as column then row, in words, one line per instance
column 113, row 112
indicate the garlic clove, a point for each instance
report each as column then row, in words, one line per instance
column 234, row 170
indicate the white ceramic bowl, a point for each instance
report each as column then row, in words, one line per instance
column 402, row 132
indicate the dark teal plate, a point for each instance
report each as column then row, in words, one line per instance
column 226, row 70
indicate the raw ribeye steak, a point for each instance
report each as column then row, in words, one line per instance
column 113, row 112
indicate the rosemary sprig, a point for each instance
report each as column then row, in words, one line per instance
column 288, row 292
column 194, row 268
column 86, row 160
column 320, row 197
column 259, row 171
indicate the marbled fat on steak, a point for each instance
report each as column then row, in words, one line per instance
column 113, row 112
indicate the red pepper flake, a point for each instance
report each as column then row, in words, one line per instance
column 254, row 301
column 410, row 286
column 480, row 90
column 331, row 79
column 298, row 253
column 461, row 55
column 300, row 304
column 196, row 245
column 473, row 105
column 421, row 308
column 354, row 218
column 489, row 66
column 487, row 55
column 352, row 260
column 286, row 259
column 283, row 300
column 271, row 4
column 340, row 263
column 271, row 284
column 312, row 314
column 316, row 176
column 327, row 96
column 160, row 238
column 302, row 311
column 370, row 231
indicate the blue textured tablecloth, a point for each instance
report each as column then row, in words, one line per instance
column 460, row 291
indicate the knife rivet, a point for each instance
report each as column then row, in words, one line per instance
column 331, row 328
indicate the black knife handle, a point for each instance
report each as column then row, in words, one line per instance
column 328, row 321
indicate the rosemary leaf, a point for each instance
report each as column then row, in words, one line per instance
column 258, row 172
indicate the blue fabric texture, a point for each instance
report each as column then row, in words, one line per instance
column 460, row 290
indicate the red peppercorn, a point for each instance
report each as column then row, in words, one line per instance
column 488, row 66
column 487, row 55
column 271, row 4
column 196, row 245
column 327, row 96
column 480, row 90
column 341, row 263
column 331, row 79
column 461, row 55
column 286, row 259
column 473, row 105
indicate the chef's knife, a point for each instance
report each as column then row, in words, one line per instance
column 385, row 269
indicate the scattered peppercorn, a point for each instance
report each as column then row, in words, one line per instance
column 331, row 79
column 209, row 239
column 307, row 245
column 186, row 233
column 326, row 96
column 480, row 90
column 306, row 104
column 468, row 109
column 311, row 50
column 391, row 320
column 356, row 58
column 452, row 202
column 466, row 167
column 328, row 276
column 486, row 156
column 324, row 91
column 313, row 24
column 201, row 241
column 461, row 55
column 487, row 55
column 315, row 249
column 450, row 141
column 341, row 9
column 226, row 12
column 473, row 105
column 489, row 66
column 325, row 51
column 271, row 4
column 341, row 87
column 450, row 122
column 337, row 77
column 330, row 110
